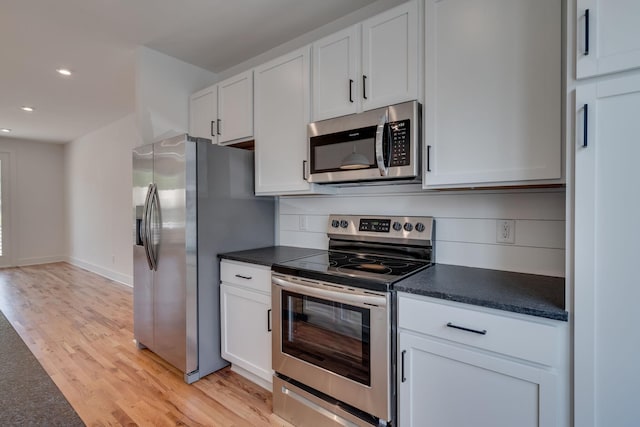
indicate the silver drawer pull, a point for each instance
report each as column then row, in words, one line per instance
column 462, row 328
column 243, row 277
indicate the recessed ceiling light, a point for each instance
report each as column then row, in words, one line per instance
column 64, row 71
column 25, row 108
column 5, row 130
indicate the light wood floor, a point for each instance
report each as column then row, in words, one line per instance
column 80, row 327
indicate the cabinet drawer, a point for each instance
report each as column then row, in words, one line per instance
column 528, row 340
column 250, row 276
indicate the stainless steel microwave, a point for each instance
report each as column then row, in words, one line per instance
column 377, row 144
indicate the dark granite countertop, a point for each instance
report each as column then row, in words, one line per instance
column 270, row 255
column 541, row 296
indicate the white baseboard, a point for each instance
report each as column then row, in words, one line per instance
column 267, row 385
column 116, row 276
column 40, row 260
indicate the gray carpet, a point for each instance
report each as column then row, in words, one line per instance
column 28, row 397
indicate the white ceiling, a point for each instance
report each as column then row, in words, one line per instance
column 97, row 39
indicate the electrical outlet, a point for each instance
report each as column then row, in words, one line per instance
column 303, row 225
column 505, row 231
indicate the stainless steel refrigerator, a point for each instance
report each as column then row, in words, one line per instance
column 191, row 201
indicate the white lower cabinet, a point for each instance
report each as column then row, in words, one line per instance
column 246, row 324
column 449, row 377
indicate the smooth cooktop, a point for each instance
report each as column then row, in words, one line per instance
column 361, row 270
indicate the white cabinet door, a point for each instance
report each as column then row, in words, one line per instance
column 390, row 57
column 607, row 236
column 203, row 113
column 336, row 82
column 246, row 329
column 493, row 92
column 445, row 385
column 607, row 36
column 281, row 117
column 235, row 108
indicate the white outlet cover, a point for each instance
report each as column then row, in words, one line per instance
column 303, row 224
column 505, row 231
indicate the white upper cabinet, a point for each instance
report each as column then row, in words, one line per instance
column 223, row 112
column 390, row 57
column 493, row 93
column 607, row 36
column 282, row 109
column 235, row 108
column 203, row 113
column 336, row 74
column 368, row 65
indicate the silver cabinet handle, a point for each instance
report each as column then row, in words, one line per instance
column 219, row 126
column 243, row 277
column 379, row 143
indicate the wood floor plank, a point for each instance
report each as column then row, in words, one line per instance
column 80, row 327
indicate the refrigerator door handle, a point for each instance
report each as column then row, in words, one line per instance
column 144, row 227
column 153, row 208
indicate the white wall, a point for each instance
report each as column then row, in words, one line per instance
column 163, row 87
column 99, row 174
column 36, row 199
column 465, row 223
column 98, row 182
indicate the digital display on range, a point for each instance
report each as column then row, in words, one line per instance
column 376, row 225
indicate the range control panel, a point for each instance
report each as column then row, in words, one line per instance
column 400, row 143
column 372, row 227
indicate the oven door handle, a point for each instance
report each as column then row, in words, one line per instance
column 337, row 296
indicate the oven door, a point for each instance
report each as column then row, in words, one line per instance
column 335, row 340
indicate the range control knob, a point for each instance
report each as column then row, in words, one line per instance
column 344, row 224
column 420, row 227
column 335, row 223
column 408, row 226
column 397, row 226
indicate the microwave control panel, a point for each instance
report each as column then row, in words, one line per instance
column 400, row 143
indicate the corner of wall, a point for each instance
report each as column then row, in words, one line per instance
column 163, row 86
column 124, row 279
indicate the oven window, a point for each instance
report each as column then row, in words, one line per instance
column 327, row 334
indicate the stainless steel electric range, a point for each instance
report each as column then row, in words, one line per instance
column 334, row 321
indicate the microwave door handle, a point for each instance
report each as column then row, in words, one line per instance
column 379, row 143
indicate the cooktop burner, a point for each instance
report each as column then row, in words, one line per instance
column 347, row 263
